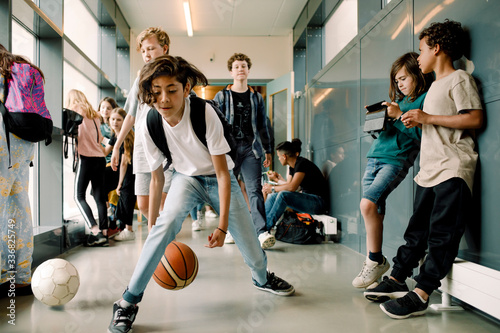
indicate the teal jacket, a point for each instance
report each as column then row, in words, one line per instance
column 399, row 145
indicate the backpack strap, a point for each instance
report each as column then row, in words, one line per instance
column 154, row 123
column 198, row 119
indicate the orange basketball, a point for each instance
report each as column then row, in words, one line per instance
column 177, row 268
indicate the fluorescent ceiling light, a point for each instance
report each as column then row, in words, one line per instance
column 187, row 14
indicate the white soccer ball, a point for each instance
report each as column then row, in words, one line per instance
column 55, row 282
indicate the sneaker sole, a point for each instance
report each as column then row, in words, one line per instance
column 394, row 316
column 287, row 292
column 268, row 243
column 383, row 297
column 129, row 331
column 124, row 240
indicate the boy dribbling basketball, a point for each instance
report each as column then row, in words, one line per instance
column 202, row 174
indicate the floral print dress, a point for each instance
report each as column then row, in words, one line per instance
column 16, row 243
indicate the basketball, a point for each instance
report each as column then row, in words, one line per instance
column 177, row 268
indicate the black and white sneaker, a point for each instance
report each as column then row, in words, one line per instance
column 275, row 285
column 386, row 290
column 123, row 318
column 409, row 305
column 91, row 240
column 101, row 240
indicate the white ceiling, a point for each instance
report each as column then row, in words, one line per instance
column 214, row 17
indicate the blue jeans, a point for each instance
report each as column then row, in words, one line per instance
column 380, row 180
column 194, row 211
column 251, row 170
column 277, row 203
column 186, row 193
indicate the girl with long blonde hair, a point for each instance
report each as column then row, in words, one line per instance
column 91, row 168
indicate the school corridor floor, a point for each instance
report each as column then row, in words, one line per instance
column 222, row 299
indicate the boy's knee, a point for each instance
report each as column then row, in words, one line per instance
column 143, row 204
column 367, row 207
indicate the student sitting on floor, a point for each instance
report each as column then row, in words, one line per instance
column 302, row 172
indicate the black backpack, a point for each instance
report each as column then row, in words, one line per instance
column 155, row 128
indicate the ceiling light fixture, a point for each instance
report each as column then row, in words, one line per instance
column 187, row 14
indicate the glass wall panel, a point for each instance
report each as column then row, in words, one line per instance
column 23, row 41
column 341, row 28
column 334, row 104
column 82, row 28
column 73, row 79
column 279, row 114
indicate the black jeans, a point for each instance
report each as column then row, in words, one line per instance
column 127, row 200
column 439, row 217
column 91, row 170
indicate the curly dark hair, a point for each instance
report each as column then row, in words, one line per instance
column 449, row 35
column 166, row 65
column 240, row 57
column 409, row 62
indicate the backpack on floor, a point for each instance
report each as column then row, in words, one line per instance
column 24, row 112
column 299, row 228
column 198, row 107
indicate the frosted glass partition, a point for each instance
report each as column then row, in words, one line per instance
column 81, row 27
column 341, row 28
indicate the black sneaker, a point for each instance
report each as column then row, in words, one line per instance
column 91, row 240
column 101, row 240
column 123, row 318
column 275, row 285
column 404, row 307
column 386, row 290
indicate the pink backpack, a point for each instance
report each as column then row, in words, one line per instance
column 26, row 114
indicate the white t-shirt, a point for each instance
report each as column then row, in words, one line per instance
column 448, row 152
column 189, row 155
column 139, row 110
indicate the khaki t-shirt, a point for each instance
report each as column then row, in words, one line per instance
column 447, row 152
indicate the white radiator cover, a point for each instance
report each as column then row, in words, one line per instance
column 474, row 284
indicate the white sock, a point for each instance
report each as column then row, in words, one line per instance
column 125, row 304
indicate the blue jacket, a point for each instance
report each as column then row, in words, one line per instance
column 261, row 143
